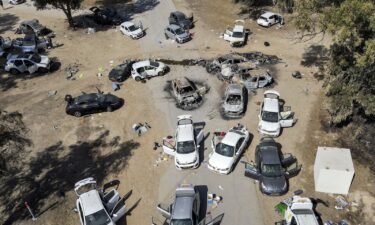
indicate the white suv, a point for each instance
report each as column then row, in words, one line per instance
column 96, row 207
column 268, row 19
column 185, row 145
column 271, row 118
column 147, row 69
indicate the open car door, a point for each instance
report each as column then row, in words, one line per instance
column 251, row 171
column 199, row 137
column 293, row 170
column 287, row 119
column 119, row 210
column 169, row 146
column 288, row 159
column 165, row 211
column 228, row 35
column 209, row 221
column 110, row 199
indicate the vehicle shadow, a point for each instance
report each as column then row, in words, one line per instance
column 7, row 22
column 203, row 192
column 315, row 55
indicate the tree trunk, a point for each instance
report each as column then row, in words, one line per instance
column 68, row 13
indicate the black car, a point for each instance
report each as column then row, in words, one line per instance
column 92, row 103
column 120, row 72
column 272, row 168
column 106, row 16
column 180, row 19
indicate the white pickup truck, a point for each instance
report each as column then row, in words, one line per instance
column 185, row 145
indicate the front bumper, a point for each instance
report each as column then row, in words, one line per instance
column 230, row 114
column 269, row 133
column 193, row 165
column 217, row 170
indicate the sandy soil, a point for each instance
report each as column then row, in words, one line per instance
column 50, row 126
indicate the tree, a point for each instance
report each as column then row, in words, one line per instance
column 65, row 5
column 350, row 79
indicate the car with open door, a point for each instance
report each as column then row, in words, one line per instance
column 185, row 209
column 121, row 72
column 272, row 168
column 97, row 207
column 267, row 19
column 130, row 29
column 236, row 36
column 185, row 145
column 180, row 19
column 31, row 43
column 92, row 103
column 148, row 68
column 227, row 149
column 273, row 115
column 28, row 63
column 254, row 79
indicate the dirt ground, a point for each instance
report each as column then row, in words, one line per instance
column 104, row 146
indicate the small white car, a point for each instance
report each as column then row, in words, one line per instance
column 236, row 36
column 30, row 63
column 227, row 148
column 268, row 19
column 16, row 2
column 96, row 207
column 131, row 30
column 148, row 68
column 186, row 143
column 271, row 118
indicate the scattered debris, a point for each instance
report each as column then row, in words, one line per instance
column 140, row 128
column 341, row 203
column 52, row 93
column 213, row 200
column 115, row 86
column 91, row 30
column 267, row 44
column 297, row 75
column 71, row 70
column 156, row 146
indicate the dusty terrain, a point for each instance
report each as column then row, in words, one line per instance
column 66, row 149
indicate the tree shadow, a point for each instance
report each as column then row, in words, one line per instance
column 7, row 22
column 56, row 169
column 315, row 55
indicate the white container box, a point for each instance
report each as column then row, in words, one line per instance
column 333, row 170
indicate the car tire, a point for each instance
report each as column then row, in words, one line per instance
column 166, row 36
column 14, row 71
column 177, row 41
column 77, row 114
column 269, row 25
column 137, row 78
column 42, row 70
column 109, row 109
column 160, row 74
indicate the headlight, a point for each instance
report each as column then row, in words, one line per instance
column 177, row 160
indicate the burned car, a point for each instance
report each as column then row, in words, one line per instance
column 186, row 93
column 228, row 71
column 254, row 79
column 105, row 16
column 121, row 72
column 33, row 27
column 92, row 103
column 30, row 63
column 216, row 65
column 234, row 101
column 180, row 19
column 31, row 43
column 272, row 168
column 5, row 44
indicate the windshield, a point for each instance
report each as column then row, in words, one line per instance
column 270, row 117
column 224, row 150
column 181, row 222
column 179, row 31
column 132, row 28
column 264, row 18
column 185, row 147
column 186, row 89
column 36, row 58
column 234, row 99
column 271, row 170
column 98, row 218
column 154, row 64
column 237, row 34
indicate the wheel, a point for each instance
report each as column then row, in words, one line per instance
column 160, row 73
column 177, row 41
column 269, row 25
column 42, row 70
column 14, row 71
column 137, row 79
column 166, row 36
column 109, row 109
column 77, row 114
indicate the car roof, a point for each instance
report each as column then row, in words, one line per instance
column 86, row 97
column 235, row 89
column 180, row 83
column 179, row 14
column 267, row 14
column 183, row 204
column 185, row 132
column 174, row 26
column 271, row 104
column 91, row 202
column 141, row 63
column 238, row 28
column 270, row 154
column 127, row 24
column 231, row 138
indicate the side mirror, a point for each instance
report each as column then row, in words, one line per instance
column 75, row 210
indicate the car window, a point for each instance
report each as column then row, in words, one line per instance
column 293, row 222
column 234, row 99
column 141, row 69
column 149, row 68
column 80, row 212
column 168, row 29
column 98, row 218
column 224, row 150
column 237, row 34
column 239, row 143
column 272, row 117
column 18, row 62
column 271, row 170
column 154, row 63
column 28, row 63
column 185, row 147
column 181, row 222
column 236, row 61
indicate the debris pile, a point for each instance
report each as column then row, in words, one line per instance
column 71, row 70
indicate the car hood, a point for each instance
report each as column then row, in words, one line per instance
column 44, row 60
column 221, row 162
column 112, row 98
column 274, row 185
column 186, row 158
column 269, row 126
column 232, row 108
column 185, row 24
column 137, row 31
column 183, row 35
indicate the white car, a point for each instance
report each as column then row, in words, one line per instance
column 96, row 207
column 236, row 36
column 268, row 19
column 131, row 30
column 147, row 69
column 16, row 2
column 186, row 143
column 271, row 118
column 227, row 148
column 30, row 63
